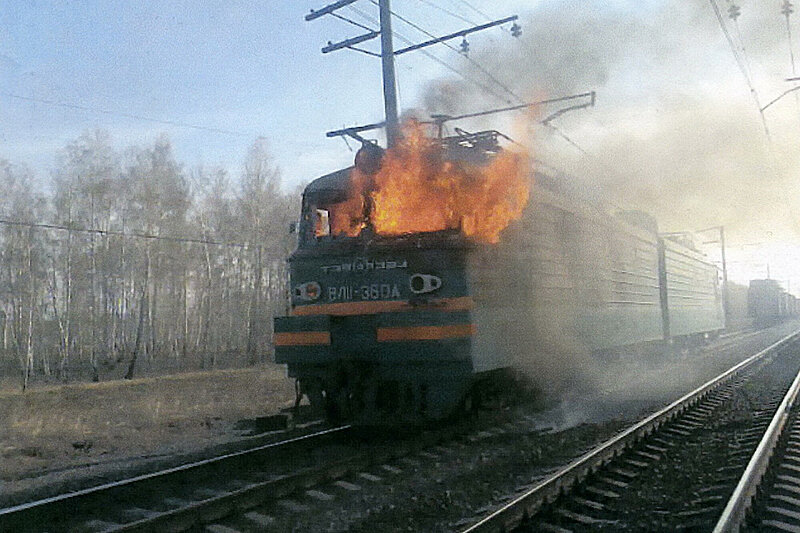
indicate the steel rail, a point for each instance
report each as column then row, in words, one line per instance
column 33, row 509
column 740, row 502
column 512, row 514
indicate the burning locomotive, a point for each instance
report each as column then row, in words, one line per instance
column 427, row 270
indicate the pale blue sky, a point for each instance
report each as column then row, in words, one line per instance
column 254, row 68
column 675, row 130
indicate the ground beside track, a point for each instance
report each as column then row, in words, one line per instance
column 63, row 436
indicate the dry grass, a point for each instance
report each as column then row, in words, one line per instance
column 70, row 425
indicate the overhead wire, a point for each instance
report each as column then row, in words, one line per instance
column 787, row 10
column 116, row 233
column 353, row 22
column 475, row 63
column 143, row 118
column 743, row 68
column 475, row 9
column 446, row 11
column 432, row 57
column 550, row 126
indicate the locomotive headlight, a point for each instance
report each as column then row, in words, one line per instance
column 308, row 291
column 422, row 283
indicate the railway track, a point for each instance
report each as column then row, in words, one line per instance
column 767, row 497
column 279, row 485
column 672, row 471
column 229, row 488
column 180, row 497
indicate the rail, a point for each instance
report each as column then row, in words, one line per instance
column 512, row 514
column 23, row 515
column 744, row 494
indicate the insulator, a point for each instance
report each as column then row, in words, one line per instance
column 787, row 8
column 516, row 30
column 734, row 11
column 464, row 46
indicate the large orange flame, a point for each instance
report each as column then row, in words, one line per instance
column 417, row 190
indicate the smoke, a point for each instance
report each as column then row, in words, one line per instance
column 676, row 131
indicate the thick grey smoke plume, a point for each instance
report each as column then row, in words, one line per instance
column 676, row 130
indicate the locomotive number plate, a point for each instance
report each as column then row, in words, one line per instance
column 373, row 291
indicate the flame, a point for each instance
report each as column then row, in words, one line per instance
column 417, row 190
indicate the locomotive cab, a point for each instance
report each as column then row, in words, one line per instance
column 380, row 327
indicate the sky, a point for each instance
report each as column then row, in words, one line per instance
column 676, row 129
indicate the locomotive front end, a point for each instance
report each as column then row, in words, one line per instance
column 381, row 332
column 381, row 324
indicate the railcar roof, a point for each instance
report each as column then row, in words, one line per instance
column 330, row 187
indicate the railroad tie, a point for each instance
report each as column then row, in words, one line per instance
column 794, row 515
column 712, row 499
column 260, row 520
column 613, row 482
column 100, row 525
column 545, row 526
column 654, row 448
column 370, row 477
column 347, row 486
column 677, row 431
column 588, row 503
column 580, row 518
column 293, row 506
column 319, row 495
column 219, row 528
column 790, row 466
column 785, row 499
column 781, row 526
column 392, row 469
column 664, row 442
column 637, row 464
column 794, row 481
column 602, row 492
column 408, row 461
column 793, row 449
column 794, row 489
column 700, row 420
column 624, row 473
column 428, row 455
column 137, row 513
column 207, row 494
column 646, row 455
column 177, row 503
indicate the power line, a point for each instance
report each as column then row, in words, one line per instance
column 126, row 115
column 447, row 11
column 114, row 233
column 742, row 68
column 353, row 22
column 475, row 9
column 432, row 57
column 451, row 47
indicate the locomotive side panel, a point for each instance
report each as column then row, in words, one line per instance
column 694, row 294
column 566, row 279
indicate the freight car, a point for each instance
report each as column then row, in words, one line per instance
column 768, row 302
column 402, row 328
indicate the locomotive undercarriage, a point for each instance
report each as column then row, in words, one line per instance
column 368, row 392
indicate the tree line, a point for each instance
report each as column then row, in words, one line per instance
column 124, row 262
